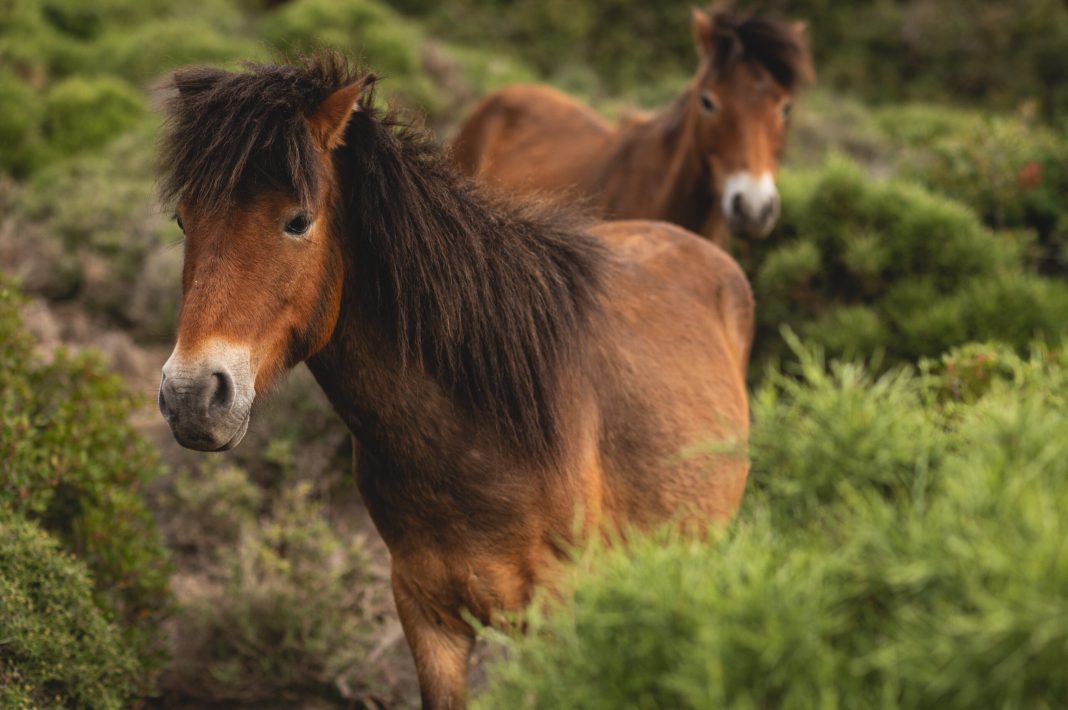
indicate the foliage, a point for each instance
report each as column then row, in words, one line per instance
column 1011, row 170
column 852, row 434
column 298, row 438
column 991, row 51
column 559, row 38
column 58, row 650
column 20, row 116
column 107, row 241
column 209, row 508
column 81, row 113
column 914, row 558
column 364, row 28
column 899, row 541
column 149, row 51
column 89, row 20
column 288, row 616
column 70, row 461
column 861, row 266
column 33, row 47
column 995, row 52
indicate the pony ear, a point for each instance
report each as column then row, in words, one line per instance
column 702, row 32
column 196, row 80
column 327, row 123
column 800, row 28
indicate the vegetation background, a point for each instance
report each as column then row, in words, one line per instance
column 903, row 539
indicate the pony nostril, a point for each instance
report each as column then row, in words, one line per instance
column 736, row 205
column 767, row 212
column 164, row 408
column 221, row 393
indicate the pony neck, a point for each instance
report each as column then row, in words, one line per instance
column 676, row 175
column 450, row 299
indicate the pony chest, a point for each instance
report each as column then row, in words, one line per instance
column 434, row 494
column 479, row 543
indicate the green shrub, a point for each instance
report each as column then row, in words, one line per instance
column 987, row 51
column 82, row 113
column 209, row 509
column 58, row 650
column 860, row 266
column 1016, row 308
column 840, row 421
column 1010, row 169
column 844, row 583
column 20, row 116
column 110, row 244
column 825, row 122
column 33, row 47
column 70, row 461
column 88, row 20
column 968, row 373
column 288, row 617
column 363, row 28
column 562, row 39
column 299, row 439
column 881, row 51
column 150, row 50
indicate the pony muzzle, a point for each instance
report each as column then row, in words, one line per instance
column 751, row 204
column 207, row 398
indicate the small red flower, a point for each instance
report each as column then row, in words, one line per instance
column 1029, row 176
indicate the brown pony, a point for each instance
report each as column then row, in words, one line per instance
column 512, row 376
column 719, row 143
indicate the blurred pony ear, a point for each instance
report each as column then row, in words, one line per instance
column 195, row 80
column 702, row 32
column 327, row 123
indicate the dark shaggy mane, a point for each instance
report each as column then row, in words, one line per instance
column 774, row 44
column 492, row 299
column 231, row 134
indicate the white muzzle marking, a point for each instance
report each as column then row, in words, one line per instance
column 751, row 203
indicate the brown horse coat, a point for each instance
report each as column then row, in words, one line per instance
column 511, row 377
column 706, row 162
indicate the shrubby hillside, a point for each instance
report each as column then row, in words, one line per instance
column 83, row 570
column 862, row 266
column 984, row 52
column 900, row 543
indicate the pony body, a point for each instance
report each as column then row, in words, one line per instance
column 513, row 377
column 706, row 162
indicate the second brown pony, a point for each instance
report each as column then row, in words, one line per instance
column 507, row 373
column 706, row 162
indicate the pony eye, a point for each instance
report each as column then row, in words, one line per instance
column 787, row 109
column 298, row 226
column 178, row 220
column 708, row 105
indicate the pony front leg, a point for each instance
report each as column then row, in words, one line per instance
column 440, row 646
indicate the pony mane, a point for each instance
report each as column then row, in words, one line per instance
column 491, row 298
column 772, row 43
column 230, row 134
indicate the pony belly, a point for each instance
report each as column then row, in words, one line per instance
column 449, row 586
